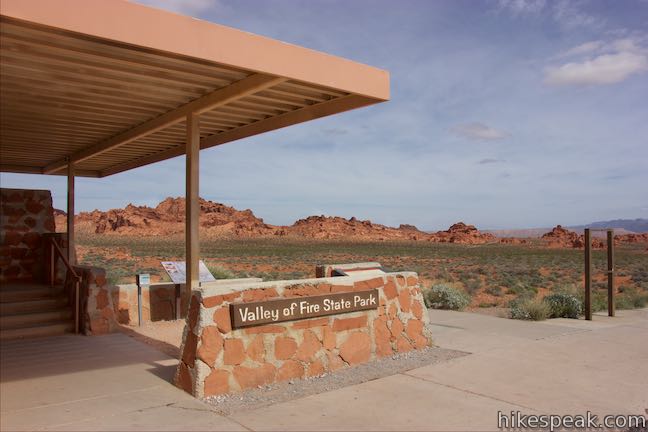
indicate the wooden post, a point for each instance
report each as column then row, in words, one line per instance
column 192, row 208
column 588, row 275
column 70, row 213
column 610, row 271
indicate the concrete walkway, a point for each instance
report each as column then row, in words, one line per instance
column 95, row 383
column 557, row 366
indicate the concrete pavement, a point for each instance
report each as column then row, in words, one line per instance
column 557, row 366
column 108, row 382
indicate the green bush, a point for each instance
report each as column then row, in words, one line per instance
column 630, row 298
column 533, row 310
column 563, row 305
column 220, row 272
column 445, row 296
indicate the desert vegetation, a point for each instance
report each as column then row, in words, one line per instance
column 489, row 275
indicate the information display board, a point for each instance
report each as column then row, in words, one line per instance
column 177, row 271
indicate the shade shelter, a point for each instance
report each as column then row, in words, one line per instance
column 97, row 88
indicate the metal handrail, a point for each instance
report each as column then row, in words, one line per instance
column 77, row 279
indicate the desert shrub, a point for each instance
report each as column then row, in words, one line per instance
column 563, row 305
column 530, row 309
column 445, row 296
column 494, row 290
column 221, row 272
column 598, row 298
column 630, row 298
column 472, row 285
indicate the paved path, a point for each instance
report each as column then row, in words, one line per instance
column 95, row 383
column 557, row 366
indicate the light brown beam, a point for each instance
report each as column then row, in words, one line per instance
column 311, row 112
column 219, row 97
column 25, row 169
column 70, row 214
column 192, row 207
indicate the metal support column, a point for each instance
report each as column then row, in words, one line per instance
column 70, row 213
column 192, row 208
column 610, row 271
column 588, row 275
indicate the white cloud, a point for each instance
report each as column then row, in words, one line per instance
column 585, row 48
column 185, row 7
column 569, row 14
column 478, row 131
column 487, row 161
column 522, row 7
column 610, row 62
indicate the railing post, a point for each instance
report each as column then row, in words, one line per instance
column 588, row 275
column 610, row 267
column 76, row 306
column 52, row 269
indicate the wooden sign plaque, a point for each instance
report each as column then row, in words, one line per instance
column 280, row 310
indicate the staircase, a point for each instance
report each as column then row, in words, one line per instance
column 33, row 310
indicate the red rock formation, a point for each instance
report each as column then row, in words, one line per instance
column 462, row 234
column 631, row 238
column 218, row 220
column 560, row 237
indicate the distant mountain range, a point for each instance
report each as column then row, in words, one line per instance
column 633, row 225
column 621, row 226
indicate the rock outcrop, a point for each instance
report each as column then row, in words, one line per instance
column 560, row 237
column 463, row 234
column 218, row 220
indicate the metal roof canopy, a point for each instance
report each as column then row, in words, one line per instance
column 109, row 85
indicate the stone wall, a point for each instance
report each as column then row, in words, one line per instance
column 106, row 306
column 216, row 359
column 25, row 215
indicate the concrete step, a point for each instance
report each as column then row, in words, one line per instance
column 33, row 306
column 34, row 319
column 37, row 331
column 29, row 292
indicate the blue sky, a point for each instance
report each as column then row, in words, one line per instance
column 504, row 114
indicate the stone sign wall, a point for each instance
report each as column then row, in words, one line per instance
column 217, row 359
column 25, row 215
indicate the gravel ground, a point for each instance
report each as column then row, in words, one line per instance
column 166, row 336
column 299, row 388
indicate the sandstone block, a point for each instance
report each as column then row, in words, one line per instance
column 291, row 369
column 356, row 349
column 341, row 324
column 211, row 344
column 309, row 346
column 390, row 289
column 217, row 382
column 318, row 322
column 285, row 347
column 189, row 350
column 183, row 378
column 234, row 352
column 256, row 349
column 261, row 294
column 329, row 338
column 254, row 377
column 222, row 320
column 404, row 300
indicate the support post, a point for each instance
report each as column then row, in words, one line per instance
column 192, row 209
column 70, row 213
column 588, row 275
column 610, row 272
